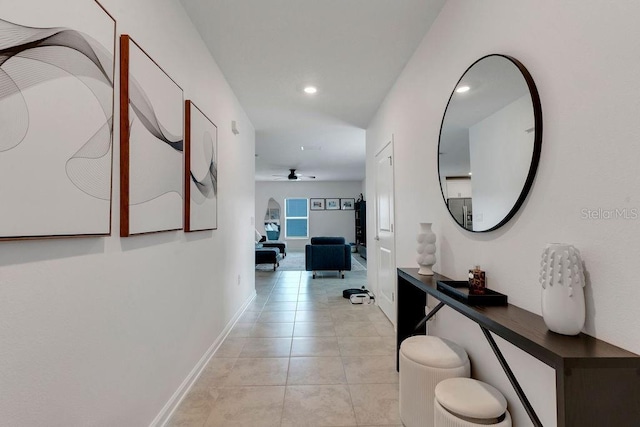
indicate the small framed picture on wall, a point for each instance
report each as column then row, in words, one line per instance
column 347, row 204
column 332, row 204
column 317, row 204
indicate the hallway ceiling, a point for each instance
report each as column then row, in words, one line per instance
column 351, row 50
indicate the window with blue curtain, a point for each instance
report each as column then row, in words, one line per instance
column 296, row 218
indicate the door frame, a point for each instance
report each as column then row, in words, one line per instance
column 390, row 142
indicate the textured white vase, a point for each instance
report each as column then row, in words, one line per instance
column 562, row 280
column 426, row 249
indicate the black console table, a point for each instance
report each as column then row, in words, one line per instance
column 597, row 384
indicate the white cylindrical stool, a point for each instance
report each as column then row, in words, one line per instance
column 424, row 362
column 465, row 402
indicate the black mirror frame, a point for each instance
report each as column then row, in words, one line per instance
column 537, row 141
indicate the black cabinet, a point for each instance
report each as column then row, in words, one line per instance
column 361, row 228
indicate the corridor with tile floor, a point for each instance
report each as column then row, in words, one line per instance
column 300, row 355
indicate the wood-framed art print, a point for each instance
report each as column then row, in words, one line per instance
column 200, row 170
column 56, row 118
column 316, row 204
column 332, row 204
column 151, row 144
column 347, row 204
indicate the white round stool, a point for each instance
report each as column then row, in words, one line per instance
column 424, row 362
column 465, row 402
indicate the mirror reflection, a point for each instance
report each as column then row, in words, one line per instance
column 272, row 220
column 489, row 143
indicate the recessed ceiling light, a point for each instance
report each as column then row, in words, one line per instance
column 463, row 89
column 310, row 90
column 469, row 173
column 302, row 148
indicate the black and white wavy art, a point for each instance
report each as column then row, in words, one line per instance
column 207, row 185
column 47, row 74
column 203, row 171
column 156, row 146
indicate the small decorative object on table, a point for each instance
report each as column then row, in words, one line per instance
column 562, row 280
column 426, row 249
column 477, row 281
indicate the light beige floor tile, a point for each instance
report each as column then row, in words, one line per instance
column 365, row 346
column 377, row 316
column 255, row 306
column 265, row 277
column 266, row 347
column 291, row 297
column 266, row 330
column 313, row 305
column 288, row 275
column 247, row 407
column 325, row 405
column 313, row 316
column 315, row 290
column 193, row 410
column 249, row 317
column 277, row 316
column 336, row 300
column 385, row 329
column 285, row 291
column 264, row 371
column 241, row 330
column 348, row 316
column 287, row 284
column 280, row 306
column 363, row 309
column 355, row 329
column 371, row 369
column 315, row 371
column 315, row 346
column 317, row 298
column 214, row 374
column 376, row 404
column 314, row 329
column 231, row 347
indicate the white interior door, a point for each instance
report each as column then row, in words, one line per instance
column 385, row 240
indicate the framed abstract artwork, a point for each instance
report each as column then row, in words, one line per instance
column 317, row 204
column 56, row 118
column 347, row 204
column 151, row 144
column 200, row 171
column 332, row 204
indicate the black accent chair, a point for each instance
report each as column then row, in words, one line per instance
column 328, row 254
column 268, row 256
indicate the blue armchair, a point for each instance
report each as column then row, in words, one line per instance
column 328, row 253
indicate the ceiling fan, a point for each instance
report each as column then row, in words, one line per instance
column 293, row 176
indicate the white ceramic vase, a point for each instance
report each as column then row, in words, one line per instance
column 426, row 249
column 562, row 280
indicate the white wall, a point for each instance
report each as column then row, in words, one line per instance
column 103, row 331
column 500, row 151
column 588, row 85
column 321, row 223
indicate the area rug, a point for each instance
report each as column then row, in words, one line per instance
column 295, row 262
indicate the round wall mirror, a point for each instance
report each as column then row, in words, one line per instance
column 490, row 142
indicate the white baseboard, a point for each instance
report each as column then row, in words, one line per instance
column 169, row 408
